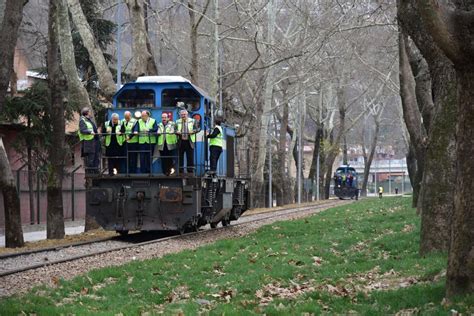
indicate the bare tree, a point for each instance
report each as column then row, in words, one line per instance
column 56, row 83
column 451, row 28
column 194, row 23
column 77, row 92
column 11, row 21
column 104, row 75
column 375, row 111
column 142, row 57
column 436, row 98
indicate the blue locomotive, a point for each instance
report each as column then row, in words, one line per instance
column 181, row 201
column 346, row 183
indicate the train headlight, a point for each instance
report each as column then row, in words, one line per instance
column 172, row 171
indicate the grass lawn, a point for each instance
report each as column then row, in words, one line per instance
column 361, row 258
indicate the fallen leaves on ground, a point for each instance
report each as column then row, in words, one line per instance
column 372, row 280
column 276, row 290
column 178, row 294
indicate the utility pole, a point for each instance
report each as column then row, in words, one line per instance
column 118, row 21
column 270, row 193
column 318, row 166
column 299, row 151
column 375, row 176
column 389, row 174
column 403, row 182
column 215, row 77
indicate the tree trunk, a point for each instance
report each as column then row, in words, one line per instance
column 12, row 16
column 143, row 60
column 55, row 216
column 104, row 75
column 267, row 99
column 11, row 21
column 13, row 84
column 283, row 196
column 439, row 116
column 411, row 113
column 370, row 158
column 193, row 37
column 30, row 183
column 460, row 274
column 451, row 30
column 78, row 96
column 411, row 165
column 335, row 146
column 11, row 203
column 318, row 137
column 436, row 197
column 345, row 159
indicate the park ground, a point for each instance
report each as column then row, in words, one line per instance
column 360, row 258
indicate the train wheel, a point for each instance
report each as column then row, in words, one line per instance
column 122, row 232
column 225, row 222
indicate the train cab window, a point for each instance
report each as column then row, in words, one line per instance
column 136, row 98
column 187, row 98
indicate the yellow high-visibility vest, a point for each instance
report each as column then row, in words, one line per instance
column 129, row 130
column 108, row 137
column 170, row 137
column 218, row 140
column 143, row 138
column 190, row 122
column 90, row 128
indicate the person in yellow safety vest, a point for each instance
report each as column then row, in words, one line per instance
column 380, row 192
column 131, row 141
column 113, row 141
column 146, row 130
column 90, row 144
column 186, row 131
column 166, row 144
column 216, row 142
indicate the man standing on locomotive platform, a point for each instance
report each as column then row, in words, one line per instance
column 131, row 141
column 114, row 148
column 166, row 143
column 90, row 142
column 216, row 142
column 146, row 130
column 186, row 131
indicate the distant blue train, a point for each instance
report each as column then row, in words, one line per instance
column 180, row 202
column 346, row 183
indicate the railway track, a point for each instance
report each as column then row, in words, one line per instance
column 19, row 262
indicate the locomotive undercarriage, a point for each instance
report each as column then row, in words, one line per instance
column 165, row 203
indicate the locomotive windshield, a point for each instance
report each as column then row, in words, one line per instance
column 133, row 98
column 190, row 98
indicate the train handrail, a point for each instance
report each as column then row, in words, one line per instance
column 101, row 169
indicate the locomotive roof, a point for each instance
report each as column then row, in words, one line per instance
column 172, row 79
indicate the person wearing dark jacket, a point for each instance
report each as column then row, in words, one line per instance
column 216, row 142
column 114, row 145
column 186, row 130
column 90, row 143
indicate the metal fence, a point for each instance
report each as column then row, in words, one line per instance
column 33, row 200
